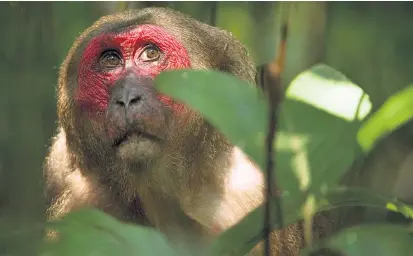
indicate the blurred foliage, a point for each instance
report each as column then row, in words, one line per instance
column 369, row 42
column 308, row 134
column 378, row 240
column 92, row 232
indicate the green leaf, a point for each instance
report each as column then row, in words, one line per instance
column 319, row 123
column 405, row 210
column 395, row 112
column 331, row 91
column 243, row 237
column 92, row 232
column 377, row 240
column 235, row 107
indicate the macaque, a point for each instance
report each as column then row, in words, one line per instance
column 138, row 155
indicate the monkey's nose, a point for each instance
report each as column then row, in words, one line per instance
column 126, row 102
column 128, row 98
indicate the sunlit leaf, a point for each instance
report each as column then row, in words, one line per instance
column 405, row 210
column 377, row 240
column 395, row 112
column 327, row 89
column 320, row 117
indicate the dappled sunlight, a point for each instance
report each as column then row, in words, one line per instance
column 284, row 140
column 340, row 98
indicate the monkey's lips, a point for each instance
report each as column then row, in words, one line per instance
column 128, row 136
column 137, row 146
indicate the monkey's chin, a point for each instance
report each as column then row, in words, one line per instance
column 137, row 148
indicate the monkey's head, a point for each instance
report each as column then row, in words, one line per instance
column 107, row 103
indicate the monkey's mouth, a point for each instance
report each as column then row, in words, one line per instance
column 121, row 140
column 126, row 137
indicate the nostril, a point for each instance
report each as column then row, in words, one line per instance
column 120, row 102
column 135, row 100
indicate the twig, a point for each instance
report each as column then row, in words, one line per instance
column 274, row 69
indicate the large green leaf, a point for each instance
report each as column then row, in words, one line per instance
column 91, row 232
column 235, row 107
column 377, row 240
column 321, row 116
column 395, row 112
column 314, row 147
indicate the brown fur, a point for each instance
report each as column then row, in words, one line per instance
column 187, row 190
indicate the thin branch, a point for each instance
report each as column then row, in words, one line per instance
column 274, row 70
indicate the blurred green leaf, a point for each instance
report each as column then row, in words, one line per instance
column 319, row 123
column 235, row 107
column 395, row 112
column 406, row 211
column 244, row 236
column 314, row 148
column 92, row 232
column 377, row 240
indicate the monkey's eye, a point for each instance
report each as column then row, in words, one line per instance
column 110, row 59
column 150, row 53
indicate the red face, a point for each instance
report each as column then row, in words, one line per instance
column 115, row 88
column 145, row 50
